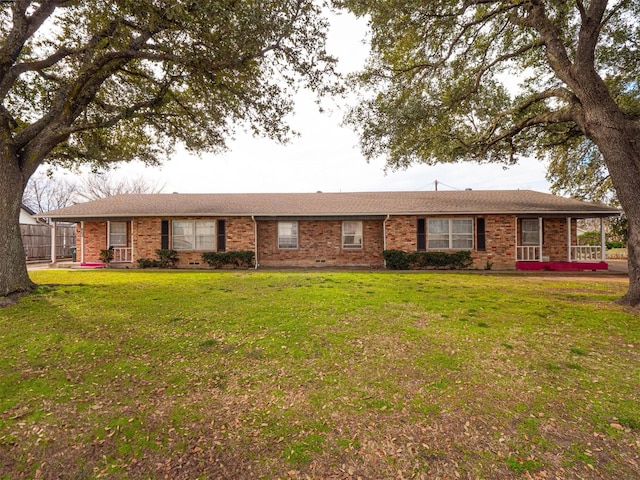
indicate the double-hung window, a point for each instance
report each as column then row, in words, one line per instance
column 194, row 235
column 352, row 234
column 530, row 231
column 117, row 234
column 450, row 233
column 287, row 235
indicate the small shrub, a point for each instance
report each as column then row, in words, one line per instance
column 167, row 258
column 238, row 259
column 396, row 259
column 147, row 263
column 399, row 260
column 106, row 256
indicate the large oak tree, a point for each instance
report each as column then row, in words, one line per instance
column 102, row 81
column 497, row 80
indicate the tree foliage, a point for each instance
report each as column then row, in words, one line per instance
column 499, row 80
column 103, row 81
column 489, row 80
column 108, row 81
column 582, row 173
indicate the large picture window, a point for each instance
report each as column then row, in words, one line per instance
column 194, row 235
column 352, row 234
column 450, row 234
column 287, row 235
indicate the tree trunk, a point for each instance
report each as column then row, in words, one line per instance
column 13, row 266
column 618, row 139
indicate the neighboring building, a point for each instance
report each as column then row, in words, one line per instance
column 507, row 229
column 27, row 216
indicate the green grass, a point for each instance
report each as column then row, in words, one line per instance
column 263, row 375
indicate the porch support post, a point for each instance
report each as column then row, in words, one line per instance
column 568, row 239
column 540, row 238
column 603, row 242
column 53, row 242
column 131, row 256
column 81, row 242
column 255, row 240
column 516, row 239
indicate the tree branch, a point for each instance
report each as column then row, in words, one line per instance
column 589, row 33
column 556, row 52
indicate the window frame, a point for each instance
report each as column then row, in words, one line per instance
column 293, row 235
column 357, row 235
column 536, row 231
column 199, row 242
column 124, row 235
column 449, row 235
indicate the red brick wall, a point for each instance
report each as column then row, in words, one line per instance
column 320, row 245
column 500, row 239
column 554, row 243
column 320, row 242
column 147, row 238
column 500, row 231
column 95, row 239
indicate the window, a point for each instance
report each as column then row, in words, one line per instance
column 287, row 235
column 351, row 234
column 450, row 233
column 530, row 231
column 194, row 235
column 117, row 234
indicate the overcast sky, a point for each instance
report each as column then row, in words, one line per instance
column 325, row 157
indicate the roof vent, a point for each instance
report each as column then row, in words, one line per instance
column 468, row 189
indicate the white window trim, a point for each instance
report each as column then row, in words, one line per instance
column 451, row 234
column 530, row 221
column 359, row 235
column 194, row 247
column 111, row 244
column 289, row 237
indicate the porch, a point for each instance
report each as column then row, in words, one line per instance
column 535, row 252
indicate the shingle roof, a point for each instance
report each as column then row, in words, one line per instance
column 519, row 202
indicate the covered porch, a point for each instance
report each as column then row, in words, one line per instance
column 116, row 235
column 540, row 245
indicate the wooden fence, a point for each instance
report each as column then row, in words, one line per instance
column 36, row 240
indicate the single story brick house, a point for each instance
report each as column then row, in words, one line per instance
column 515, row 229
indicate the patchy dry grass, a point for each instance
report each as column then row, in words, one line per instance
column 266, row 375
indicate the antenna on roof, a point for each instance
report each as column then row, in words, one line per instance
column 436, row 184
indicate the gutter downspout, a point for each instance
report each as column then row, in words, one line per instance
column 255, row 240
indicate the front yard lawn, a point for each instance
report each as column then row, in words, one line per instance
column 240, row 375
